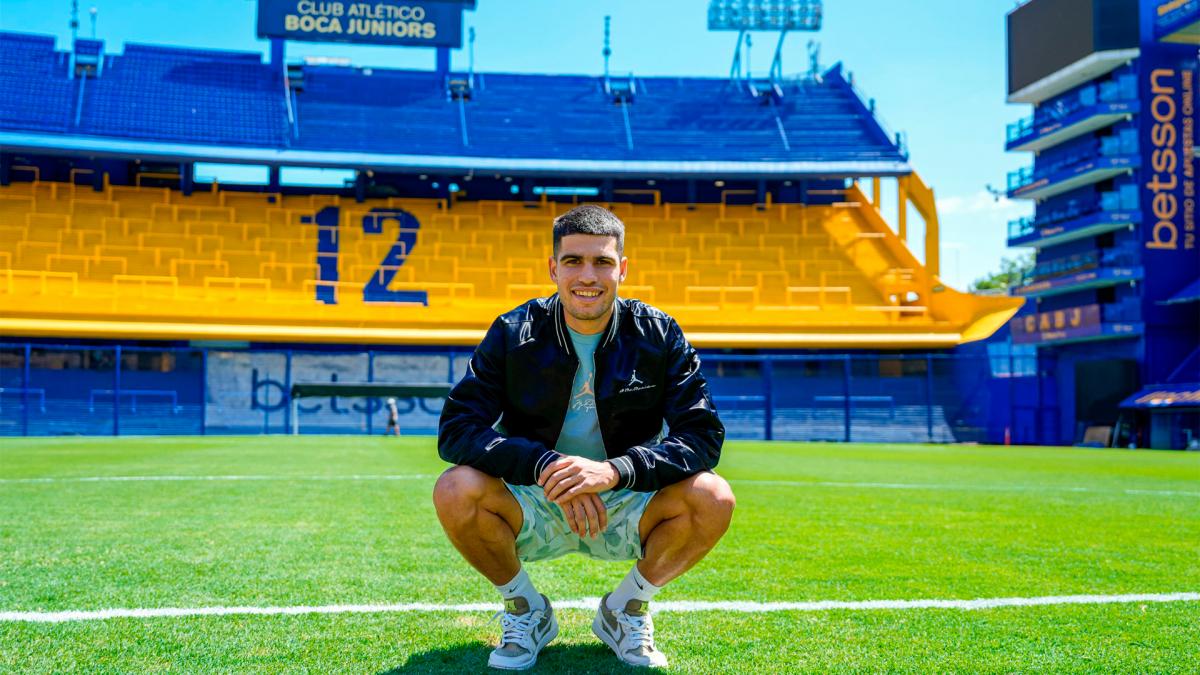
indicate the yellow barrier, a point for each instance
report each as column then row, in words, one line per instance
column 44, row 283
column 147, row 286
column 36, row 171
column 137, row 181
column 656, row 195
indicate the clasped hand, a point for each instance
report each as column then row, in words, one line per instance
column 573, row 483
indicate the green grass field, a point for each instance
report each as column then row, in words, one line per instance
column 814, row 522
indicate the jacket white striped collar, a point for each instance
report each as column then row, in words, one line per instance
column 560, row 324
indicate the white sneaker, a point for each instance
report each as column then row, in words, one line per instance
column 629, row 633
column 525, row 633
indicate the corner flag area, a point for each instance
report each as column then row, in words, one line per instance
column 323, row 554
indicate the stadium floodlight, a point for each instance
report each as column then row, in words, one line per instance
column 744, row 16
column 764, row 15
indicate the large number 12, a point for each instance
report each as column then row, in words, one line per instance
column 376, row 289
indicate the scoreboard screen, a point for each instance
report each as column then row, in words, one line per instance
column 1045, row 36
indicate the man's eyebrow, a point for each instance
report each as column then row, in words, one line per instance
column 580, row 256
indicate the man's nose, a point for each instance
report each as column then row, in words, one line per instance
column 588, row 274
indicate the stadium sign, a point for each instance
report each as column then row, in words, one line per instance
column 1170, row 184
column 1056, row 325
column 420, row 23
column 1177, row 21
column 1167, row 177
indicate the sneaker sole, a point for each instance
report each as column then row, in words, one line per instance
column 550, row 635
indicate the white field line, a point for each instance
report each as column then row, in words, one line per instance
column 1163, row 492
column 591, row 603
column 781, row 483
column 966, row 488
column 138, row 479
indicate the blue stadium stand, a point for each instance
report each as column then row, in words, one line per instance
column 222, row 105
column 36, row 84
column 542, row 116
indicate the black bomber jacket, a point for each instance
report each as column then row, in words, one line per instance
column 521, row 376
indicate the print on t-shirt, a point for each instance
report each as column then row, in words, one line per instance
column 580, row 434
column 584, row 397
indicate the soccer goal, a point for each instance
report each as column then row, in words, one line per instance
column 419, row 394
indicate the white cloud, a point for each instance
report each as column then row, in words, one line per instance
column 974, row 229
column 981, row 202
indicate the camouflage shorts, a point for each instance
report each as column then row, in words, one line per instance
column 545, row 534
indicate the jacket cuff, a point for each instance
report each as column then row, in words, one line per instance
column 547, row 458
column 625, row 472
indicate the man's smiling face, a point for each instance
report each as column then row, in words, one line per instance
column 588, row 268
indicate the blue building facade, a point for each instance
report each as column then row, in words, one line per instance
column 1113, row 292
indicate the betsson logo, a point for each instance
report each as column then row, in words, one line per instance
column 1163, row 160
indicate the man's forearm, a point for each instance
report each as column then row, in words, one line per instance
column 681, row 454
column 514, row 459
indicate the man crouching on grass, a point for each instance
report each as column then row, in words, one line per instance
column 557, row 430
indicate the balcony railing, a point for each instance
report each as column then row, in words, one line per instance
column 1021, row 227
column 1060, row 267
column 1051, row 115
column 1108, row 211
column 1019, row 129
column 1020, row 178
column 1115, row 146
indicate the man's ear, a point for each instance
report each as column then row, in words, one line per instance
column 553, row 269
column 624, row 267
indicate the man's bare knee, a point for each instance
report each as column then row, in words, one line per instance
column 462, row 495
column 460, row 486
column 709, row 497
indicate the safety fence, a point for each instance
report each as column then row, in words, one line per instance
column 940, row 397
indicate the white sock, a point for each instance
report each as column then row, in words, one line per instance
column 522, row 587
column 633, row 587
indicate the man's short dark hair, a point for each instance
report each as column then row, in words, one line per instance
column 589, row 219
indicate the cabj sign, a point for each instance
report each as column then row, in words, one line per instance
column 423, row 23
column 1060, row 324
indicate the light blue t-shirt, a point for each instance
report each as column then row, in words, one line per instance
column 581, row 429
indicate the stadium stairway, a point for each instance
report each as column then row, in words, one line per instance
column 150, row 263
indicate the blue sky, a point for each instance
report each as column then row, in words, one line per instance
column 935, row 67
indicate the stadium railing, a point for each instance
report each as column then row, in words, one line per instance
column 71, row 389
